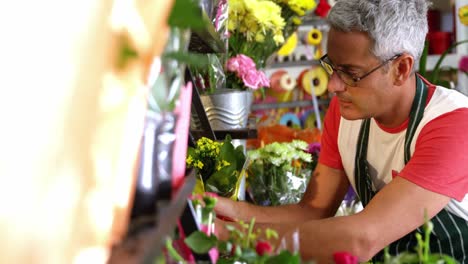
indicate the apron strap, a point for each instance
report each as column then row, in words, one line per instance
column 364, row 186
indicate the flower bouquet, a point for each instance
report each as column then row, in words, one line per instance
column 278, row 173
column 218, row 165
column 258, row 28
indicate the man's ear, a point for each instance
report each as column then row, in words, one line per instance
column 403, row 67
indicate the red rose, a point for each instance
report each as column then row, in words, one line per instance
column 263, row 247
column 344, row 258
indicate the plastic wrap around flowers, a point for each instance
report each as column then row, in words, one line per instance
column 279, row 173
column 245, row 69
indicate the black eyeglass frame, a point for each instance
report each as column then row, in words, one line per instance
column 354, row 78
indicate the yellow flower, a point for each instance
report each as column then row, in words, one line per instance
column 296, row 20
column 222, row 164
column 199, row 165
column 189, row 160
column 300, row 7
column 259, row 37
column 278, row 38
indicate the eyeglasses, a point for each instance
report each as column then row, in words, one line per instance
column 346, row 77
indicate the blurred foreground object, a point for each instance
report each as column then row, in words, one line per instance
column 72, row 105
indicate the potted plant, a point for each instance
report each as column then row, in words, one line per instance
column 256, row 30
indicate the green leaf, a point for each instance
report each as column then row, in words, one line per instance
column 193, row 60
column 223, row 181
column 225, row 261
column 435, row 73
column 284, row 257
column 423, row 60
column 172, row 252
column 186, row 14
column 200, row 243
column 225, row 247
column 228, row 153
column 240, row 157
column 249, row 255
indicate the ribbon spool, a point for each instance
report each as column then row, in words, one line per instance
column 314, row 37
column 309, row 119
column 315, row 78
column 281, row 81
column 290, row 119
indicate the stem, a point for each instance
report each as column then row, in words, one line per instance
column 173, row 253
column 249, row 233
column 435, row 74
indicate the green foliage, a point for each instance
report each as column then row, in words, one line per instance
column 195, row 60
column 186, row 14
column 241, row 245
column 433, row 76
column 219, row 164
column 201, row 243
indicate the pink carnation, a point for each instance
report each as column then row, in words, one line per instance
column 246, row 62
column 240, row 64
column 233, row 65
column 463, row 66
column 251, row 79
column 245, row 68
column 264, row 81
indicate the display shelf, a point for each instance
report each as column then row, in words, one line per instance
column 292, row 104
column 243, row 133
column 289, row 64
column 314, row 21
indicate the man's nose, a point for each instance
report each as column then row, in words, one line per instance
column 335, row 84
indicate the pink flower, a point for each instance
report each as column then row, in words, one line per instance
column 245, row 62
column 344, row 258
column 463, row 65
column 263, row 248
column 214, row 255
column 233, row 64
column 205, row 229
column 264, row 81
column 245, row 68
column 251, row 79
column 240, row 64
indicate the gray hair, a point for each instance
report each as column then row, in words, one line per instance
column 394, row 26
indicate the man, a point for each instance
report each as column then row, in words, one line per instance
column 397, row 140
